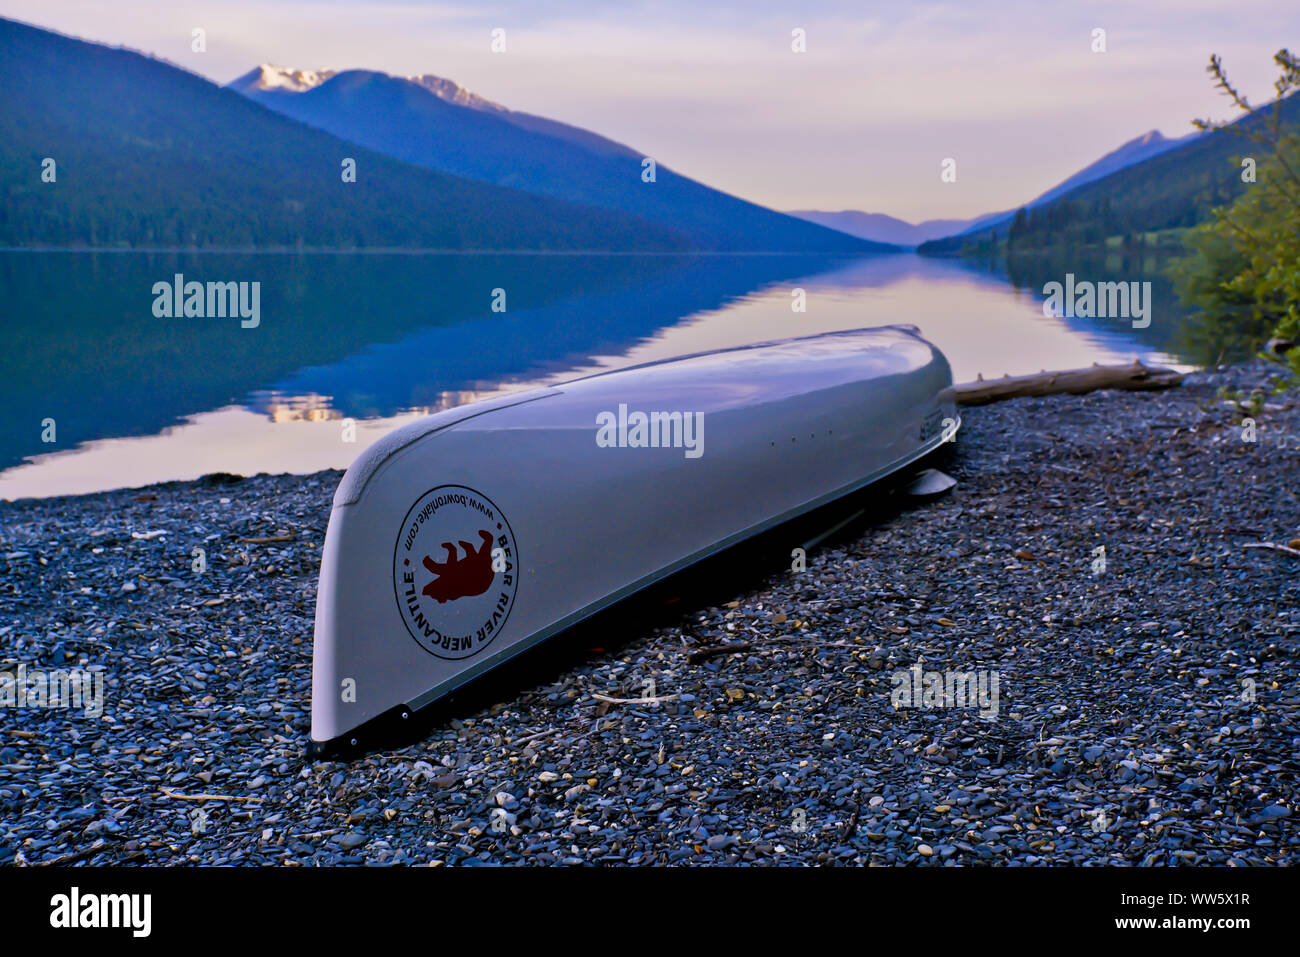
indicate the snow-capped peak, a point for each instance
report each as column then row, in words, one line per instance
column 452, row 93
column 268, row 76
column 282, row 79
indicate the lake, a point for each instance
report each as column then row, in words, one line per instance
column 349, row 346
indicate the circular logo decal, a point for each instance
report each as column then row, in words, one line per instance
column 454, row 571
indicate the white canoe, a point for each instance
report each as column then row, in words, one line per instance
column 464, row 539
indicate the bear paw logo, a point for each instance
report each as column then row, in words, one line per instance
column 461, row 577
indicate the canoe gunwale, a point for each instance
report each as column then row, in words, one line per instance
column 908, row 328
column 372, row 462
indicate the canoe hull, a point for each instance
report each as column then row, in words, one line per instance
column 464, row 540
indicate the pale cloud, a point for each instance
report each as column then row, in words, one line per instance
column 862, row 120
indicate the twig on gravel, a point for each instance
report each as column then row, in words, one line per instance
column 817, row 644
column 648, row 700
column 269, row 539
column 168, row 792
column 532, row 737
column 72, row 857
column 811, row 643
column 1271, row 546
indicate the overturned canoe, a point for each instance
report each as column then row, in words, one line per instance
column 464, row 539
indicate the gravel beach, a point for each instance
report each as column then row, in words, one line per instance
column 1147, row 711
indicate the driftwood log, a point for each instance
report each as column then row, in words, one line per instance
column 1134, row 377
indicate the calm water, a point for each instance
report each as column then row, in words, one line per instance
column 384, row 339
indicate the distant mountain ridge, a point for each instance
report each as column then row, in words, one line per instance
column 147, row 154
column 882, row 228
column 1137, row 150
column 1174, row 187
column 432, row 122
column 269, row 78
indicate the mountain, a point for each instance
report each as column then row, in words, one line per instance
column 269, row 77
column 434, row 123
column 1174, row 187
column 881, row 228
column 149, row 155
column 1136, row 150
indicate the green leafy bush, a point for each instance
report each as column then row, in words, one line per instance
column 1242, row 272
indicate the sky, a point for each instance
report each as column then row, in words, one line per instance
column 884, row 93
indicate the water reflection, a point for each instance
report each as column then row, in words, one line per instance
column 377, row 340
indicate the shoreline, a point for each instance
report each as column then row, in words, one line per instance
column 1147, row 713
column 435, row 251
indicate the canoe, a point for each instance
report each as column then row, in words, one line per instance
column 464, row 539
